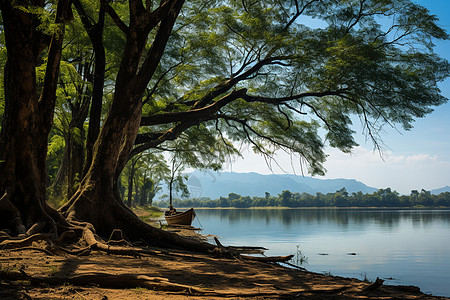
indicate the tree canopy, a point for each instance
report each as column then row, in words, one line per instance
column 256, row 72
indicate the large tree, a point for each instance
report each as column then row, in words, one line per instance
column 28, row 114
column 232, row 71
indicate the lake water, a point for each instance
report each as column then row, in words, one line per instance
column 404, row 247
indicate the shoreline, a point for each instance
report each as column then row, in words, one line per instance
column 173, row 274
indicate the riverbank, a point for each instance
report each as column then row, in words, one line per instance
column 180, row 275
column 175, row 274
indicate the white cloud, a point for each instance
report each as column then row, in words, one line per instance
column 399, row 171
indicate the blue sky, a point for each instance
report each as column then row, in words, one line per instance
column 416, row 159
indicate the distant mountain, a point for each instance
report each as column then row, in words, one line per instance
column 216, row 184
column 441, row 190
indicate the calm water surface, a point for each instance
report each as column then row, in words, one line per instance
column 404, row 247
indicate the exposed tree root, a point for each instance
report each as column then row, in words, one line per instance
column 4, row 236
column 36, row 228
column 124, row 281
column 89, row 237
column 107, row 280
column 83, row 234
column 46, row 251
column 25, row 242
column 114, row 246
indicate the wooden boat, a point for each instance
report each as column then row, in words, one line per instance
column 180, row 218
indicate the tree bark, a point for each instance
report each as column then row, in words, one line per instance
column 28, row 117
column 97, row 201
column 28, row 113
column 130, row 186
column 95, row 33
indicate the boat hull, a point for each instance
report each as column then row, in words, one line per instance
column 181, row 218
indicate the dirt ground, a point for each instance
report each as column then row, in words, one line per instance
column 175, row 275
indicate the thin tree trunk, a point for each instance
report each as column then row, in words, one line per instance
column 95, row 32
column 130, row 187
column 170, row 192
column 61, row 175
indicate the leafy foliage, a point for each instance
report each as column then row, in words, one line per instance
column 381, row 198
column 286, row 75
column 367, row 58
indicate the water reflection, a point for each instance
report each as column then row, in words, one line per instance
column 341, row 217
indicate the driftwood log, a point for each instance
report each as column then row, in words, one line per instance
column 234, row 252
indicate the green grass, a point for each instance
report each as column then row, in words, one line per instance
column 148, row 213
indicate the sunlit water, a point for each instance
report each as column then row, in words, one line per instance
column 404, row 247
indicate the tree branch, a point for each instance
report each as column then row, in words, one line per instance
column 172, row 117
column 298, row 13
column 157, row 49
column 115, row 17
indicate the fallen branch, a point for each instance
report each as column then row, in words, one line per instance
column 189, row 227
column 240, row 249
column 294, row 266
column 233, row 252
column 248, row 249
column 268, row 258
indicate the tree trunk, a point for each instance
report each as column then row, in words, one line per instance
column 170, row 192
column 61, row 175
column 95, row 32
column 97, row 200
column 28, row 117
column 77, row 154
column 130, row 187
column 143, row 194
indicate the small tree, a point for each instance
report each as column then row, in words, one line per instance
column 176, row 180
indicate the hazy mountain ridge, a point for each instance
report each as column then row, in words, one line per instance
column 216, row 184
column 441, row 190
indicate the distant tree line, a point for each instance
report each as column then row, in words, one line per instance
column 341, row 198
